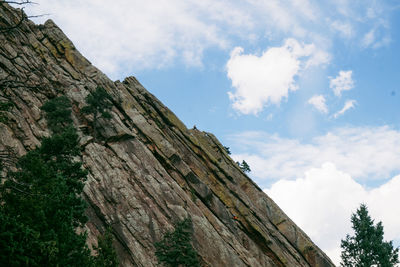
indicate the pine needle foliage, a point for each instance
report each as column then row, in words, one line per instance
column 175, row 249
column 98, row 105
column 244, row 166
column 106, row 255
column 367, row 248
column 41, row 206
column 58, row 113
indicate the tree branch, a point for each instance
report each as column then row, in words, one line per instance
column 23, row 16
column 18, row 3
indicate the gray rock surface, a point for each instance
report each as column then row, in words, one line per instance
column 147, row 170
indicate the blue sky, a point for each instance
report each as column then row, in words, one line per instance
column 307, row 92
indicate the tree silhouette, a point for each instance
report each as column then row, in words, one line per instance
column 243, row 166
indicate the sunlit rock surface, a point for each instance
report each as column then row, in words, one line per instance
column 146, row 169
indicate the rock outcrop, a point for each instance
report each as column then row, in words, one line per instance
column 147, row 170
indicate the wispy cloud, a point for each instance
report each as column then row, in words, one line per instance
column 133, row 35
column 342, row 82
column 364, row 152
column 318, row 101
column 146, row 34
column 368, row 38
column 345, row 29
column 348, row 105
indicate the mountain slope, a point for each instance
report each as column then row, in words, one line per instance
column 147, row 170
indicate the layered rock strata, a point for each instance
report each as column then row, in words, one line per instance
column 146, row 169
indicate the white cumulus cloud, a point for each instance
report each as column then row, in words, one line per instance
column 268, row 78
column 320, row 183
column 319, row 102
column 348, row 105
column 342, row 82
column 322, row 201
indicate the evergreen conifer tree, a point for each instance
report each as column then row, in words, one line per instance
column 106, row 255
column 175, row 249
column 41, row 206
column 58, row 113
column 367, row 248
column 244, row 166
column 99, row 105
column 228, row 150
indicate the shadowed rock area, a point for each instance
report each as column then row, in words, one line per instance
column 146, row 169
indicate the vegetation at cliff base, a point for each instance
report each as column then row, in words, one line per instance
column 41, row 206
column 175, row 249
column 106, row 255
column 367, row 248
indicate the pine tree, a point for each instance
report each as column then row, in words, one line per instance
column 244, row 166
column 175, row 249
column 106, row 254
column 98, row 105
column 58, row 113
column 41, row 206
column 367, row 248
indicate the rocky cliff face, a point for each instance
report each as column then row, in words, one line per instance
column 148, row 171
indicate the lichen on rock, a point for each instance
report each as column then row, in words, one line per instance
column 147, row 171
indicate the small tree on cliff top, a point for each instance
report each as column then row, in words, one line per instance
column 243, row 166
column 367, row 248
